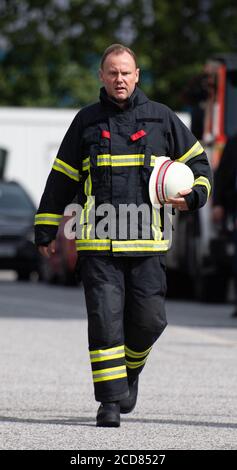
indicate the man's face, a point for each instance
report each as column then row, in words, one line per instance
column 119, row 75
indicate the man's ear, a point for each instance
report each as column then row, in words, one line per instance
column 137, row 75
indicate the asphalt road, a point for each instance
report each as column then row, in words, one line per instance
column 187, row 395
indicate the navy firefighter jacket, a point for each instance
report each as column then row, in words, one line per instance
column 104, row 163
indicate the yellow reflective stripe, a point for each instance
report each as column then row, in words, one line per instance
column 140, row 245
column 117, row 246
column 90, row 199
column 195, row 150
column 107, row 354
column 88, row 230
column 109, row 374
column 47, row 214
column 94, row 244
column 113, row 377
column 156, row 224
column 120, row 160
column 106, row 351
column 136, row 156
column 86, row 164
column 127, row 160
column 46, row 222
column 135, row 354
column 48, row 219
column 203, row 181
column 104, row 160
column 88, row 227
column 84, row 219
column 153, row 160
column 107, row 358
column 60, row 165
column 109, row 370
column 134, row 365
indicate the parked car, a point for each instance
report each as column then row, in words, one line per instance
column 17, row 249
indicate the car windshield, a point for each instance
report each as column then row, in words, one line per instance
column 14, row 199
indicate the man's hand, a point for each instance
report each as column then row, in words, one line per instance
column 47, row 251
column 179, row 202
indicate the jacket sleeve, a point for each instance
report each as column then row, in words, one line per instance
column 185, row 148
column 61, row 185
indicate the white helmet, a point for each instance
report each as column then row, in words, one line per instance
column 167, row 179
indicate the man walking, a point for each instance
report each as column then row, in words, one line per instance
column 224, row 199
column 107, row 157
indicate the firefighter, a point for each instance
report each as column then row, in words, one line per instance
column 106, row 158
column 225, row 198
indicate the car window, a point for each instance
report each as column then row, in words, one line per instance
column 14, row 199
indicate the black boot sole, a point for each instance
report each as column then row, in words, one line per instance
column 108, row 424
column 107, row 418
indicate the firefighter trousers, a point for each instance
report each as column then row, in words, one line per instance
column 126, row 315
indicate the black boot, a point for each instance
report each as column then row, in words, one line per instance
column 108, row 415
column 128, row 404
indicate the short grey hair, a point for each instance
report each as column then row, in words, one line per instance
column 117, row 49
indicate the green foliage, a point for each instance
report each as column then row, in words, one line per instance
column 50, row 49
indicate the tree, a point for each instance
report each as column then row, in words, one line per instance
column 50, row 49
column 174, row 39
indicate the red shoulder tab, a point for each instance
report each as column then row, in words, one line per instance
column 105, row 134
column 137, row 135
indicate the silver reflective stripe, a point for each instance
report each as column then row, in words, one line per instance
column 142, row 355
column 195, row 150
column 109, row 374
column 140, row 246
column 107, row 354
column 68, row 170
column 203, row 181
column 153, row 160
column 118, row 160
column 93, row 244
column 48, row 219
column 156, row 224
column 135, row 354
column 86, row 164
column 135, row 364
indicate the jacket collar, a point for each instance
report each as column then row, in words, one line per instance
column 137, row 98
